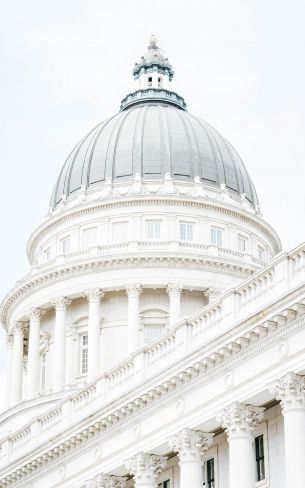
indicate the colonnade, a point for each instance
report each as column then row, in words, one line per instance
column 239, row 421
column 33, row 325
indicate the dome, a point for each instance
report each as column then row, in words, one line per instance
column 153, row 140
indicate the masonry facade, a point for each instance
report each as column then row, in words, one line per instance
column 157, row 340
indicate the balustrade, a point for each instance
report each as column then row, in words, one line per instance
column 174, row 345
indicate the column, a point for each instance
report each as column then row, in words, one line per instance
column 239, row 420
column 106, row 481
column 290, row 390
column 94, row 297
column 133, row 292
column 145, row 469
column 33, row 372
column 17, row 366
column 59, row 363
column 9, row 364
column 212, row 294
column 190, row 446
column 174, row 292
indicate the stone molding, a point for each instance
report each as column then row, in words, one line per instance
column 186, row 379
column 174, row 290
column 106, row 481
column 212, row 294
column 133, row 290
column 239, row 420
column 130, row 201
column 36, row 313
column 61, row 303
column 9, row 341
column 190, row 444
column 145, row 466
column 74, row 270
column 19, row 328
column 94, row 295
column 290, row 390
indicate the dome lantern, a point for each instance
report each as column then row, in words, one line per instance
column 154, row 69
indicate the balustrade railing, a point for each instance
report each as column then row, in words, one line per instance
column 277, row 279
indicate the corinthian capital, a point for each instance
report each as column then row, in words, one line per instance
column 61, row 303
column 174, row 290
column 239, row 420
column 190, row 444
column 106, row 481
column 36, row 313
column 290, row 390
column 146, row 466
column 134, row 290
column 212, row 294
column 9, row 341
column 19, row 328
column 94, row 294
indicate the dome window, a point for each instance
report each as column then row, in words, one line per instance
column 120, row 231
column 216, row 236
column 149, row 81
column 65, row 246
column 186, row 231
column 153, row 229
column 242, row 243
column 159, row 81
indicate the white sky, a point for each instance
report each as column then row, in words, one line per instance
column 66, row 64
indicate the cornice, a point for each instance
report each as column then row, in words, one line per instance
column 134, row 200
column 96, row 265
column 201, row 370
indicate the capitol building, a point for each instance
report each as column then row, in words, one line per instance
column 157, row 340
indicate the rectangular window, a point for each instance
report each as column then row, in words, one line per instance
column 216, row 236
column 186, row 231
column 152, row 332
column 164, row 484
column 65, row 245
column 90, row 237
column 261, row 253
column 260, row 458
column 120, row 231
column 210, row 473
column 153, row 229
column 84, row 354
column 242, row 243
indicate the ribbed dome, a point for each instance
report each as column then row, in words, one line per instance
column 153, row 139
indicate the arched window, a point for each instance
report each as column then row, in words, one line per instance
column 149, row 81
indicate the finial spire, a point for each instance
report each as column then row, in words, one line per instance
column 152, row 42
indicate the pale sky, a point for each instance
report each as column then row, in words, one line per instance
column 66, row 65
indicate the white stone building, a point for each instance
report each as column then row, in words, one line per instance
column 158, row 338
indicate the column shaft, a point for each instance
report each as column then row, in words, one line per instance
column 94, row 331
column 133, row 292
column 9, row 365
column 17, row 366
column 241, row 472
column 58, row 376
column 239, row 420
column 33, row 371
column 294, row 428
column 290, row 390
